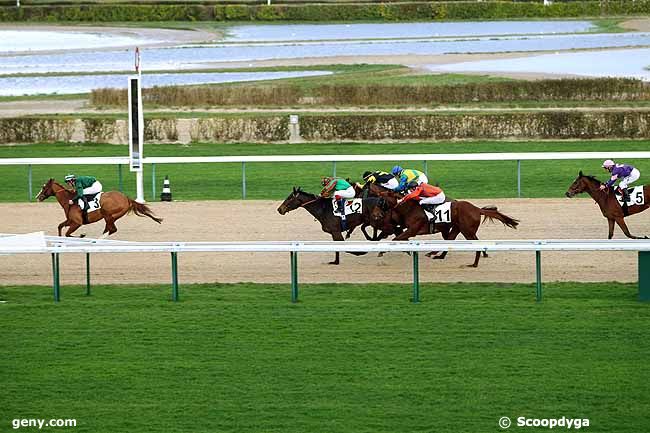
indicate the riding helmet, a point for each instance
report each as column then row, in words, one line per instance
column 397, row 170
column 70, row 177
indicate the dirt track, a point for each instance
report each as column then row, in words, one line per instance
column 237, row 220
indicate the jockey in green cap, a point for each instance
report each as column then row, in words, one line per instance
column 84, row 186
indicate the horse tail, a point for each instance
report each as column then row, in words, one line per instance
column 141, row 209
column 495, row 214
column 490, row 207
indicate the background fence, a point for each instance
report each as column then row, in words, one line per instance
column 332, row 159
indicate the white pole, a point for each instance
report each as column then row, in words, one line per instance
column 18, row 3
column 139, row 181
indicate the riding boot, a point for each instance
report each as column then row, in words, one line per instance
column 626, row 195
column 84, row 209
column 341, row 208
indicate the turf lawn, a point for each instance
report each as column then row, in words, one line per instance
column 347, row 358
column 460, row 179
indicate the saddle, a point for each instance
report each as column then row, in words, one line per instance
column 630, row 197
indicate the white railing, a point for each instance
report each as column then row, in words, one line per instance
column 425, row 157
column 37, row 243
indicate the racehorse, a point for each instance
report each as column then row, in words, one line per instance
column 321, row 208
column 465, row 219
column 609, row 205
column 113, row 206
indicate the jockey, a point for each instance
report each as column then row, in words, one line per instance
column 427, row 194
column 84, row 186
column 340, row 189
column 623, row 172
column 382, row 178
column 406, row 176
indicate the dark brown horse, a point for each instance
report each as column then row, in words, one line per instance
column 321, row 209
column 465, row 219
column 609, row 205
column 114, row 205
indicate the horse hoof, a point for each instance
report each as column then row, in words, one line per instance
column 473, row 265
column 381, row 254
column 437, row 258
column 333, row 263
column 83, row 235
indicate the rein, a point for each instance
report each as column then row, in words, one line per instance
column 310, row 201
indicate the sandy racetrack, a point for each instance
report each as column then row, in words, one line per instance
column 259, row 220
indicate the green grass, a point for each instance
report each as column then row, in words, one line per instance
column 347, row 358
column 460, row 179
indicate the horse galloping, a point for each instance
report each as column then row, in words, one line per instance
column 113, row 206
column 464, row 216
column 372, row 212
column 609, row 205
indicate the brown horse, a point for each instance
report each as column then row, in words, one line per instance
column 609, row 205
column 114, row 205
column 465, row 219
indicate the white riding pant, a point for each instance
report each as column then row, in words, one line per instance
column 93, row 189
column 634, row 175
column 436, row 199
column 391, row 184
column 345, row 193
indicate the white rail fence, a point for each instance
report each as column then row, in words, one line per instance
column 38, row 243
column 333, row 159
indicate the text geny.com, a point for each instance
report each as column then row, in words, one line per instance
column 40, row 423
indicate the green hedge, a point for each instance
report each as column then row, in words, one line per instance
column 545, row 125
column 317, row 127
column 35, row 130
column 569, row 89
column 401, row 11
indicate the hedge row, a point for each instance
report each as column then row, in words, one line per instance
column 407, row 11
column 538, row 125
column 521, row 125
column 570, row 89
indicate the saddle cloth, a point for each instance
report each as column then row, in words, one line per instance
column 351, row 207
column 636, row 196
column 93, row 204
column 441, row 213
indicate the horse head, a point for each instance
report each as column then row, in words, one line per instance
column 581, row 184
column 47, row 190
column 378, row 212
column 295, row 200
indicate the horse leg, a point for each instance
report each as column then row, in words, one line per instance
column 445, row 235
column 63, row 224
column 453, row 234
column 72, row 227
column 610, row 222
column 336, row 236
column 472, row 237
column 621, row 223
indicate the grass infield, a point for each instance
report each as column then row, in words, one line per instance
column 347, row 358
column 460, row 179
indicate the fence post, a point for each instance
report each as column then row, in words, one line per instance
column 174, row 277
column 426, row 168
column 538, row 274
column 55, row 276
column 294, row 276
column 518, row 178
column 87, row 274
column 416, row 278
column 153, row 181
column 243, row 180
column 119, row 178
column 334, row 168
column 29, row 181
column 644, row 276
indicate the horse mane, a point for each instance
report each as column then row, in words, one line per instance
column 299, row 190
column 592, row 178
